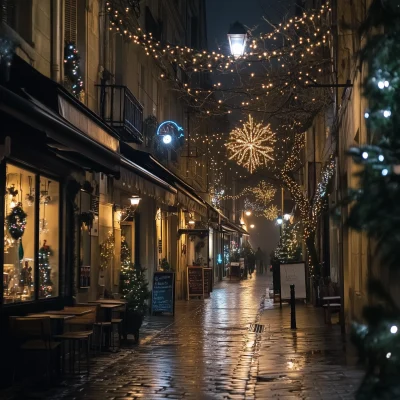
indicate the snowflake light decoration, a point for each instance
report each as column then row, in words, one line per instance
column 252, row 145
column 271, row 213
column 264, row 192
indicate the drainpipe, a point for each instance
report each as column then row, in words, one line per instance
column 56, row 34
column 341, row 258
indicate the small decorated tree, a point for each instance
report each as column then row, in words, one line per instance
column 45, row 283
column 134, row 288
column 289, row 248
column 137, row 289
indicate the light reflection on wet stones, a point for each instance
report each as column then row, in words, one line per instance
column 208, row 352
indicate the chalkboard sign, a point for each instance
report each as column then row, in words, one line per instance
column 207, row 281
column 195, row 280
column 163, row 292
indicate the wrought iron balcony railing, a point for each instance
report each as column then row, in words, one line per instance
column 120, row 109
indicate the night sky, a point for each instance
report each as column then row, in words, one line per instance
column 220, row 14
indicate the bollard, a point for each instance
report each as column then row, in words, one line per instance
column 292, row 308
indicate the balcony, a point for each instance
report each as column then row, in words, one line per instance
column 121, row 110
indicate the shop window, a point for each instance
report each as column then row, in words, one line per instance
column 19, row 236
column 85, row 233
column 48, row 255
column 31, row 236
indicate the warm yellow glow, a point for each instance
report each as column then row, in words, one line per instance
column 248, row 213
column 192, row 222
column 252, row 226
column 135, row 200
column 251, row 146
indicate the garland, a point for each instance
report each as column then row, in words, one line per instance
column 16, row 222
column 72, row 68
column 107, row 251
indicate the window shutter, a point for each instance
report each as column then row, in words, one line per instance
column 70, row 21
column 7, row 10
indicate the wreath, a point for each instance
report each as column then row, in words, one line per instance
column 16, row 222
column 87, row 218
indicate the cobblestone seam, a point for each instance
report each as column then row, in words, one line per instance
column 254, row 367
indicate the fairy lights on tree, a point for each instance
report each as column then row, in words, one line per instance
column 107, row 251
column 289, row 248
column 72, row 68
column 45, row 283
column 252, row 145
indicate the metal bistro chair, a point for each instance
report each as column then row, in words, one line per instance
column 34, row 335
column 119, row 322
column 80, row 335
column 98, row 323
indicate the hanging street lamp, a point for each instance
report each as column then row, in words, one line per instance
column 237, row 37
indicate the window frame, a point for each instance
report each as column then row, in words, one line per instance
column 21, row 24
column 38, row 174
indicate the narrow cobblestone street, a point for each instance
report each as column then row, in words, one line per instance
column 208, row 352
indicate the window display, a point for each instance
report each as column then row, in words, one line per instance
column 48, row 237
column 21, row 234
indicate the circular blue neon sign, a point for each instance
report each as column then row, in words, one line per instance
column 168, row 130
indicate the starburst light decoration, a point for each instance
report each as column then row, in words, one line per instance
column 271, row 213
column 252, row 145
column 264, row 192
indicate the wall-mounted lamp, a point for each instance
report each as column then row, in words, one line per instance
column 128, row 211
column 135, row 200
column 252, row 226
column 248, row 213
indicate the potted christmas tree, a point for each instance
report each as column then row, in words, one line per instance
column 134, row 289
column 375, row 202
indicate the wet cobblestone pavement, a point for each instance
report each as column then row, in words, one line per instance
column 208, row 352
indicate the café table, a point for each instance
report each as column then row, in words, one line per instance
column 70, row 311
column 57, row 318
column 109, row 301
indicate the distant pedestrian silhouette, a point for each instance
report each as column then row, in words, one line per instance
column 259, row 260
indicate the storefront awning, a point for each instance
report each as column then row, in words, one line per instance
column 230, row 227
column 186, row 195
column 216, row 214
column 201, row 233
column 65, row 140
column 138, row 180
